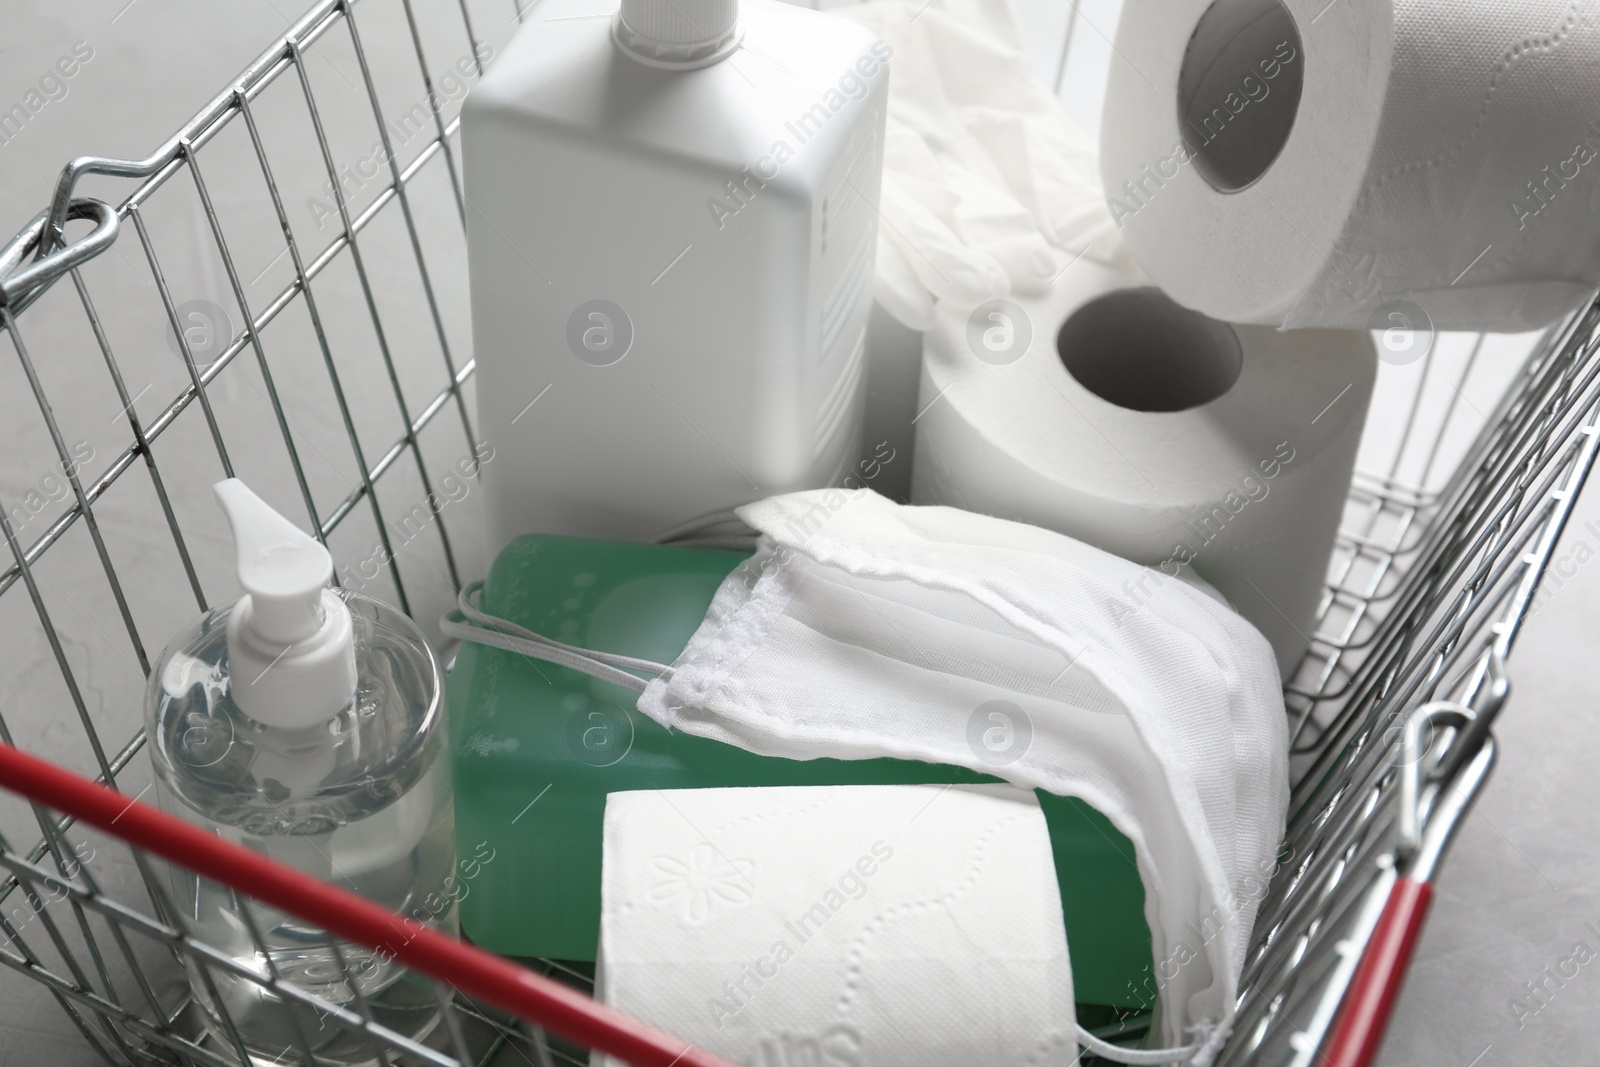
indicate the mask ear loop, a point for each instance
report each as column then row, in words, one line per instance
column 714, row 529
column 468, row 622
column 1135, row 1057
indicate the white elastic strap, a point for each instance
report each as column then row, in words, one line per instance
column 1132, row 1056
column 470, row 623
column 468, row 602
column 699, row 531
column 737, row 542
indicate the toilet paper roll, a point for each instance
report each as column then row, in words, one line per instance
column 894, row 372
column 1174, row 440
column 1301, row 163
column 839, row 926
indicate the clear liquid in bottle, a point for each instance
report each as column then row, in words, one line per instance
column 360, row 799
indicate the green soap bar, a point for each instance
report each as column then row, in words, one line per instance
column 537, row 747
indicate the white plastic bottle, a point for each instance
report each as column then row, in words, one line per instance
column 306, row 723
column 671, row 222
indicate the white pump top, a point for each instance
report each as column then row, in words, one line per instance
column 677, row 34
column 291, row 645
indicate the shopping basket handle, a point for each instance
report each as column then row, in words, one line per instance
column 1378, row 977
column 1451, row 786
column 488, row 977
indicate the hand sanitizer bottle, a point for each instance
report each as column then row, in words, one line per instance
column 671, row 222
column 306, row 723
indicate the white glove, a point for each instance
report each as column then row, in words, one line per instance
column 988, row 185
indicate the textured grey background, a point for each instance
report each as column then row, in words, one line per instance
column 1518, row 893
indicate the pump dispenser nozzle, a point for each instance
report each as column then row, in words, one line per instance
column 291, row 644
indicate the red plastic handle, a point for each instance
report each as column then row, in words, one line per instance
column 483, row 975
column 1376, row 984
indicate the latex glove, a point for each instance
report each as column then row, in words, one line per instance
column 921, row 258
column 989, row 187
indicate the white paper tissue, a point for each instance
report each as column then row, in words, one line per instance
column 1357, row 153
column 835, row 926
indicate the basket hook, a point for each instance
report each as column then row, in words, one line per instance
column 45, row 237
column 19, row 283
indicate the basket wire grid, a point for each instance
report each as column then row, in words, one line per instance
column 1448, row 528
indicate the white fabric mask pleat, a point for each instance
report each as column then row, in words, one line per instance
column 863, row 628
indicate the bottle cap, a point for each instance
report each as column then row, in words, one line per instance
column 291, row 643
column 677, row 34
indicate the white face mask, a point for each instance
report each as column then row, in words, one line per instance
column 863, row 628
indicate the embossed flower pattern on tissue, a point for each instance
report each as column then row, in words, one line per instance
column 700, row 881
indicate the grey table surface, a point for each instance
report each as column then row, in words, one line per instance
column 1519, row 900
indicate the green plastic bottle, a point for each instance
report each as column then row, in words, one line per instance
column 537, row 747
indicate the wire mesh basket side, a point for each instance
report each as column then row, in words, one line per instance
column 163, row 1022
column 302, row 238
column 1470, row 577
column 224, row 335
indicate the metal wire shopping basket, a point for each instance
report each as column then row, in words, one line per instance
column 356, row 211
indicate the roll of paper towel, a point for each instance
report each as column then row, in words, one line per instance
column 1173, row 440
column 839, row 926
column 1304, row 163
